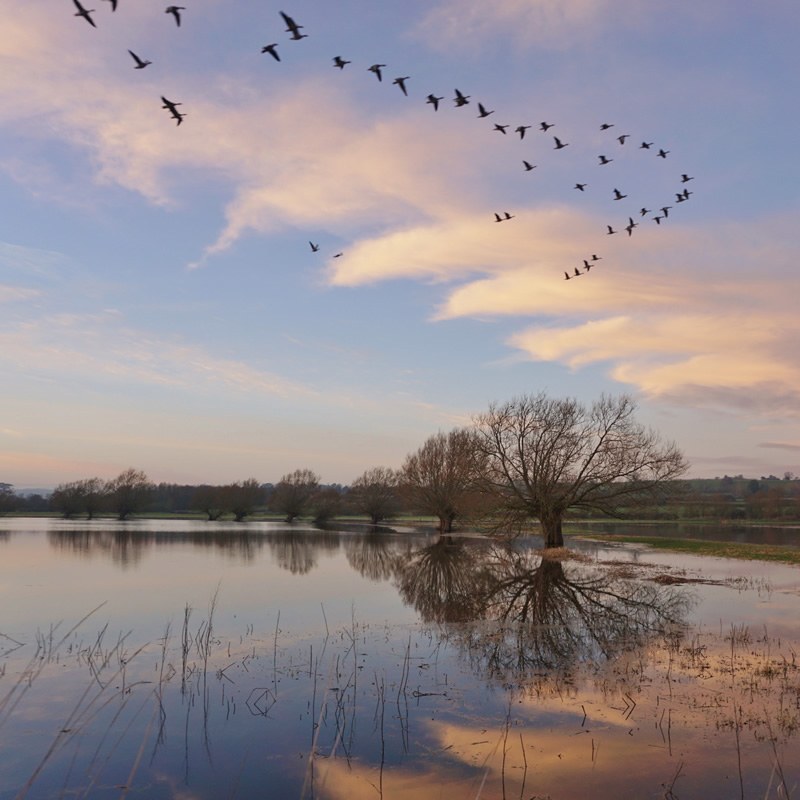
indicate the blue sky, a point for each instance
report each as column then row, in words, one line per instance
column 160, row 306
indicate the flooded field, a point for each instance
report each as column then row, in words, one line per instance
column 216, row 660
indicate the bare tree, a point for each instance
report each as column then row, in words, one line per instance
column 293, row 493
column 441, row 477
column 545, row 456
column 128, row 492
column 242, row 497
column 375, row 493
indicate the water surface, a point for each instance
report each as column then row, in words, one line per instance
column 219, row 660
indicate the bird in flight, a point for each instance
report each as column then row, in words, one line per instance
column 270, row 48
column 621, row 139
column 544, row 126
column 176, row 12
column 506, row 216
column 314, row 247
column 631, row 225
column 173, row 109
column 501, row 128
column 292, row 27
column 665, row 210
column 482, row 112
column 606, row 125
column 461, row 99
column 566, row 276
column 605, row 159
column 434, row 101
column 401, row 82
column 610, row 230
column 587, row 265
column 338, row 61
column 376, row 68
column 595, row 257
column 581, row 186
column 618, row 195
column 662, row 153
column 83, row 12
column 645, row 145
column 559, row 144
column 520, row 129
column 644, row 210
column 140, row 63
column 686, row 178
column 528, row 165
column 657, row 220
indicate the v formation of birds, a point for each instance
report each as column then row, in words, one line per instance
column 459, row 100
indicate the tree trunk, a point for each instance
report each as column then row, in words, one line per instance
column 551, row 531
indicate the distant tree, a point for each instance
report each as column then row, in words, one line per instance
column 8, row 498
column 293, row 493
column 67, row 499
column 210, row 500
column 242, row 497
column 327, row 503
column 375, row 493
column 128, row 492
column 441, row 477
column 545, row 456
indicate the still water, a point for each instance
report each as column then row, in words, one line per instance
column 218, row 660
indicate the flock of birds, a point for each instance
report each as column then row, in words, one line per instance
column 459, row 100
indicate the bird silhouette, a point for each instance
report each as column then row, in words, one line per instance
column 596, row 257
column 559, row 144
column 665, row 210
column 631, row 225
column 173, row 109
column 686, row 178
column 140, row 63
column 314, row 247
column 621, row 139
column 434, row 101
column 644, row 210
column 566, row 276
column 618, row 195
column 292, row 27
column 176, row 12
column 528, row 165
column 376, row 68
column 482, row 112
column 605, row 159
column 657, row 220
column 577, row 272
column 520, row 129
column 645, row 145
column 461, row 99
column 544, row 126
column 586, row 265
column 662, row 153
column 401, row 82
column 338, row 61
column 84, row 12
column 506, row 216
column 606, row 125
column 270, row 48
column 501, row 128
column 609, row 230
column 581, row 186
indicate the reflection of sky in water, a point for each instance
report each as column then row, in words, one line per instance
column 383, row 701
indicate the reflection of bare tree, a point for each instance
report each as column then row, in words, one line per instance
column 298, row 551
column 550, row 616
column 445, row 581
column 376, row 556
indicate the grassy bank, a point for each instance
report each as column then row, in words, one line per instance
column 752, row 552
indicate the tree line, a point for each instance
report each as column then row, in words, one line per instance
column 530, row 460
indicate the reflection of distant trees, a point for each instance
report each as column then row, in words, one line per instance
column 127, row 548
column 298, row 551
column 377, row 556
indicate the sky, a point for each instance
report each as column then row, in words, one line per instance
column 161, row 306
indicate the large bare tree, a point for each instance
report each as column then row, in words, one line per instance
column 545, row 456
column 441, row 477
column 129, row 492
column 292, row 495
